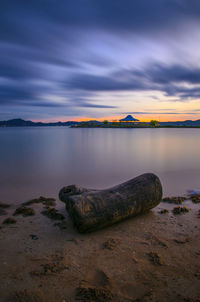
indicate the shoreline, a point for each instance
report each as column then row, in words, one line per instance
column 151, row 257
column 101, row 126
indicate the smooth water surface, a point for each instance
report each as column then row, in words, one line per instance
column 39, row 161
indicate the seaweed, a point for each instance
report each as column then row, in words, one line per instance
column 45, row 201
column 164, row 211
column 195, row 198
column 24, row 211
column 174, row 199
column 180, row 210
column 93, row 293
column 53, row 214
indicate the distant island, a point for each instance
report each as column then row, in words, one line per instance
column 128, row 122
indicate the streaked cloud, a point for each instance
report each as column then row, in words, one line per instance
column 99, row 58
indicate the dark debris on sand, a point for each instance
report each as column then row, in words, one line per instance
column 186, row 299
column 180, row 210
column 4, row 205
column 175, row 199
column 182, row 241
column 55, row 265
column 9, row 220
column 24, row 211
column 45, row 201
column 53, row 214
column 63, row 225
column 3, row 212
column 27, row 296
column 195, row 198
column 34, row 237
column 111, row 243
column 164, row 211
column 93, row 293
column 155, row 258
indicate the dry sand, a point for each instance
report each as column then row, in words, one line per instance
column 152, row 257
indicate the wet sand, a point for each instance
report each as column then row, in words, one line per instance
column 152, row 257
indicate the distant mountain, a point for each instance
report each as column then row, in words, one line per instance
column 187, row 123
column 94, row 122
column 129, row 118
column 22, row 123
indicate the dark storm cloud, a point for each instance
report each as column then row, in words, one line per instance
column 102, row 83
column 176, row 73
column 14, row 70
column 168, row 79
column 115, row 15
column 10, row 94
column 183, row 93
column 46, row 41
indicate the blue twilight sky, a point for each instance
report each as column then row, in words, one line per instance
column 62, row 60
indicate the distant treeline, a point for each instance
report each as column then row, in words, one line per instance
column 152, row 124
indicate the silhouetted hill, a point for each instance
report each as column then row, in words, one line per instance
column 22, row 123
column 129, row 118
column 187, row 123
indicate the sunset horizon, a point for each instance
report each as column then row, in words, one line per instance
column 145, row 117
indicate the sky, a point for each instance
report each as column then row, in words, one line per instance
column 100, row 59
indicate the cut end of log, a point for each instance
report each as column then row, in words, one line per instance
column 70, row 190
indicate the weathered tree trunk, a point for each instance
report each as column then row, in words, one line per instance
column 94, row 209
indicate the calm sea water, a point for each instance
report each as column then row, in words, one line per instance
column 39, row 161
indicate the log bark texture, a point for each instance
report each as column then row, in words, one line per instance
column 91, row 210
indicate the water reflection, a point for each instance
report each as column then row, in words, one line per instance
column 39, row 161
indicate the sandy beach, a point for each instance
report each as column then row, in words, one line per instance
column 152, row 257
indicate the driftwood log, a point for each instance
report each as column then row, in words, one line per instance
column 94, row 209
